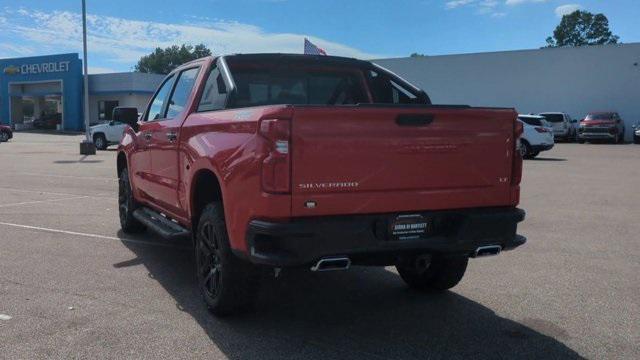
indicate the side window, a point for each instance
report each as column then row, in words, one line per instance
column 387, row 91
column 156, row 110
column 215, row 92
column 105, row 109
column 182, row 91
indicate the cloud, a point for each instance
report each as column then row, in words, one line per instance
column 567, row 9
column 518, row 2
column 483, row 7
column 457, row 3
column 20, row 50
column 100, row 70
column 124, row 41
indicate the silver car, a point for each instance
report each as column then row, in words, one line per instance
column 564, row 127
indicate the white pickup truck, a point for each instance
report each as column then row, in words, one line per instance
column 108, row 133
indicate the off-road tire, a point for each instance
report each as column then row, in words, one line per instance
column 127, row 205
column 228, row 284
column 442, row 274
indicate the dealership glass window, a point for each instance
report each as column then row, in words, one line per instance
column 105, row 109
column 182, row 91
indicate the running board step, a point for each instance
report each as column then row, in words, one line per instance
column 160, row 224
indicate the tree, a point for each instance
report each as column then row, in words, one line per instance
column 417, row 55
column 163, row 61
column 582, row 28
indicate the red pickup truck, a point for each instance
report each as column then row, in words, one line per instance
column 269, row 161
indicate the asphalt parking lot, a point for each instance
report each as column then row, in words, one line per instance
column 73, row 286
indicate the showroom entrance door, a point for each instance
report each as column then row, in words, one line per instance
column 36, row 105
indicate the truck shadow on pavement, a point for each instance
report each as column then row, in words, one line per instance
column 363, row 313
column 548, row 159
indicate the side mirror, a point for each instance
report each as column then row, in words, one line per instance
column 126, row 115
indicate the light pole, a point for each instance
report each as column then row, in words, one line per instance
column 86, row 146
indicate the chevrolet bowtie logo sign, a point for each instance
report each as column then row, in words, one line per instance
column 34, row 69
column 12, row 70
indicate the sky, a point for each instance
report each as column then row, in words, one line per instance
column 120, row 32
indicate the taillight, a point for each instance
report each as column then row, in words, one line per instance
column 541, row 129
column 276, row 167
column 516, row 168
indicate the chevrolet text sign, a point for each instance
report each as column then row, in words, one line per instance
column 43, row 68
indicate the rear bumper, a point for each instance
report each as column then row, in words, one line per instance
column 543, row 147
column 561, row 134
column 600, row 133
column 366, row 240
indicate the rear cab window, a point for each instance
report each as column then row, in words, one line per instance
column 303, row 85
column 306, row 81
column 553, row 118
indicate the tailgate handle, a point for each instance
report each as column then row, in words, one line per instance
column 414, row 119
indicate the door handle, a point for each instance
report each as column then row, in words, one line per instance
column 147, row 136
column 172, row 136
column 414, row 119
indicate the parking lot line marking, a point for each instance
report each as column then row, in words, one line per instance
column 42, row 201
column 94, row 236
column 99, row 196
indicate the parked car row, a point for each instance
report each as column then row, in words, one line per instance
column 596, row 126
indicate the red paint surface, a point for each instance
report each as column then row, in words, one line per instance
column 349, row 160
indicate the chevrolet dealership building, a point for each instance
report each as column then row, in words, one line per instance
column 573, row 80
column 51, row 87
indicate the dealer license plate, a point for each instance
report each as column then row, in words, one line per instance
column 410, row 227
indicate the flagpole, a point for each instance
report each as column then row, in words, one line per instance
column 86, row 147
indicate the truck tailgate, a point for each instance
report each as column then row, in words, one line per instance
column 372, row 159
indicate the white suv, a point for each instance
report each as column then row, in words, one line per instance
column 564, row 127
column 536, row 137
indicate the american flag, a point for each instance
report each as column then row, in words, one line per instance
column 311, row 49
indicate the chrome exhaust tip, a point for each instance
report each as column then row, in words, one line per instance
column 332, row 263
column 490, row 250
